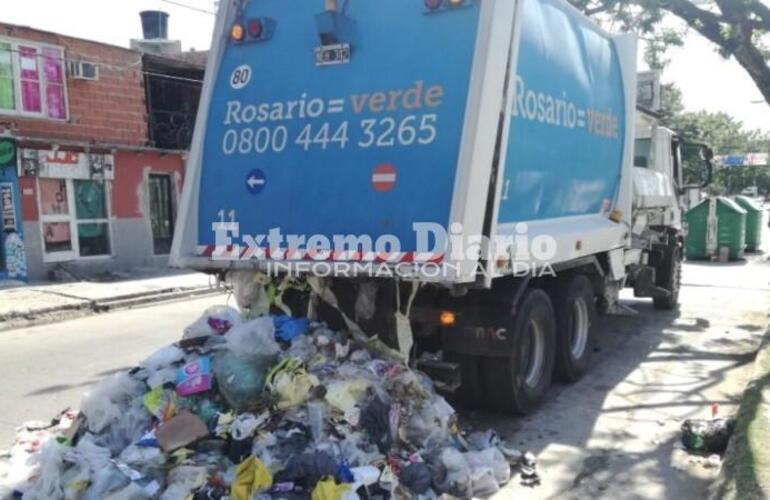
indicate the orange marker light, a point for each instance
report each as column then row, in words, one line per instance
column 237, row 32
column 447, row 318
column 455, row 3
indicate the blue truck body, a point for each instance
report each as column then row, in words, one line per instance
column 315, row 135
column 380, row 115
column 561, row 162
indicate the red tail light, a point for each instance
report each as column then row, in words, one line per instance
column 255, row 28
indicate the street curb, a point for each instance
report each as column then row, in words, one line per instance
column 43, row 316
column 745, row 471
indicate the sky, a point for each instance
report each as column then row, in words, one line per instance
column 707, row 80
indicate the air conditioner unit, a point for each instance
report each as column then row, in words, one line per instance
column 83, row 70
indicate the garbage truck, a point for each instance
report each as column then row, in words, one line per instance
column 454, row 179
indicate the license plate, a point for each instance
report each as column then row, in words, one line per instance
column 328, row 55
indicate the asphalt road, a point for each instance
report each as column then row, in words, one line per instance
column 613, row 434
column 44, row 369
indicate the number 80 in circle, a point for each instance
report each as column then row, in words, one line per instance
column 241, row 77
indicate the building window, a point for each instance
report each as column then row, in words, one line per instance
column 161, row 213
column 75, row 219
column 32, row 81
column 92, row 221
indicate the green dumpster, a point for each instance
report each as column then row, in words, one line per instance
column 713, row 224
column 697, row 232
column 753, row 222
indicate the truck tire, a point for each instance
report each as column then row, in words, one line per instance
column 574, row 302
column 518, row 382
column 470, row 394
column 668, row 275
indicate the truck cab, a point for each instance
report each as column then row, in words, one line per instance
column 657, row 175
column 668, row 174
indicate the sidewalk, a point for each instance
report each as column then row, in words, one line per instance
column 24, row 305
column 746, row 470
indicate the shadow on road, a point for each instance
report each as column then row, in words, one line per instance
column 53, row 389
column 622, row 345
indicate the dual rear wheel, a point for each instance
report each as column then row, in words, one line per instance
column 550, row 337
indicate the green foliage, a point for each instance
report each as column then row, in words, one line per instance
column 722, row 132
column 671, row 104
column 738, row 28
column 725, row 135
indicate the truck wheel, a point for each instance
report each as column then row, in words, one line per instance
column 470, row 393
column 517, row 383
column 575, row 306
column 668, row 275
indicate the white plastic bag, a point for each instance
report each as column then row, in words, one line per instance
column 131, row 492
column 129, row 428
column 216, row 320
column 249, row 291
column 163, row 358
column 458, row 472
column 162, row 377
column 142, row 456
column 253, row 338
column 75, row 481
column 182, row 480
column 105, row 403
column 106, row 480
column 49, row 482
column 91, row 454
column 493, row 459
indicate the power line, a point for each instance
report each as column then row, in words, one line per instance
column 190, row 7
column 172, row 77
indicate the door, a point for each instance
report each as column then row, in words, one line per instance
column 161, row 213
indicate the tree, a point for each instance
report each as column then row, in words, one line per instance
column 724, row 134
column 739, row 28
column 671, row 104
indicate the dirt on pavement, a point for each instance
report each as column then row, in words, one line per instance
column 615, row 434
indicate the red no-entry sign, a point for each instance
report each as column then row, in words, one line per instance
column 384, row 177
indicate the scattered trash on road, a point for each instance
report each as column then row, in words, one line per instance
column 272, row 407
column 713, row 462
column 528, row 467
column 709, row 436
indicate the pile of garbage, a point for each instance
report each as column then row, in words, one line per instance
column 274, row 407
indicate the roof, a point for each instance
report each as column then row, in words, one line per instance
column 175, row 62
column 10, row 27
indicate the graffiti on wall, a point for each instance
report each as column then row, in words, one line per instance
column 13, row 260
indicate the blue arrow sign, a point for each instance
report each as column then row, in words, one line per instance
column 255, row 181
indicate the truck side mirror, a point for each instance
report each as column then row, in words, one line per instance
column 698, row 166
column 708, row 155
